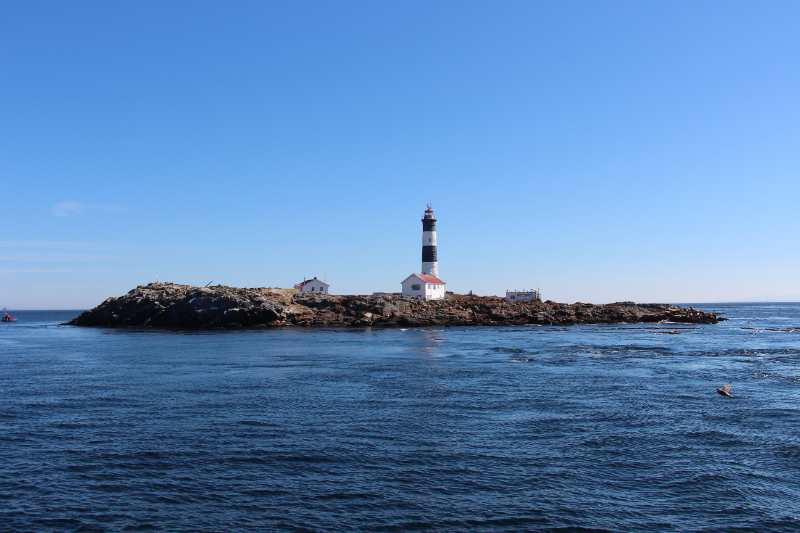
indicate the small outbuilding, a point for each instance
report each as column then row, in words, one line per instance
column 524, row 296
column 313, row 285
column 425, row 286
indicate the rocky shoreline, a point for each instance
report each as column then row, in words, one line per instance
column 169, row 305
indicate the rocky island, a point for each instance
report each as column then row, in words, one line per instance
column 169, row 305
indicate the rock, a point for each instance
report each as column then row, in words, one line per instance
column 168, row 305
column 184, row 306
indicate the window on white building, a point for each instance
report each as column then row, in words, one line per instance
column 415, row 287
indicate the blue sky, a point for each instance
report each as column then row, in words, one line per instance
column 601, row 151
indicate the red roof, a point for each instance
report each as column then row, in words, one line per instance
column 427, row 278
column 298, row 285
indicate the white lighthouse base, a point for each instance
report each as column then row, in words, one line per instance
column 431, row 268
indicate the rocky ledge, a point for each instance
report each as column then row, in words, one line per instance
column 168, row 305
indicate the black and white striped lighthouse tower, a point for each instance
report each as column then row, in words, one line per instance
column 430, row 263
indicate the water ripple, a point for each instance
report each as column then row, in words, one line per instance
column 591, row 428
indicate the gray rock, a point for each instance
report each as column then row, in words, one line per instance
column 185, row 306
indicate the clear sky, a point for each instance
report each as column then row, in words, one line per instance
column 600, row 151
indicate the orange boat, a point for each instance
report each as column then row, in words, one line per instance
column 7, row 318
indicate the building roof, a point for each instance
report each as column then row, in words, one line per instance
column 298, row 285
column 427, row 278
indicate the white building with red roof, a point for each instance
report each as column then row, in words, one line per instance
column 313, row 285
column 427, row 285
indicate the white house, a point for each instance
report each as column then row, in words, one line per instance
column 524, row 296
column 425, row 286
column 313, row 285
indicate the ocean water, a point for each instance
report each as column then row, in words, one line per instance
column 584, row 428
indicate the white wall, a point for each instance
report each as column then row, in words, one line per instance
column 317, row 285
column 522, row 296
column 407, row 287
column 431, row 268
column 436, row 292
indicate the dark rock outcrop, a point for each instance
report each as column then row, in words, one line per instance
column 168, row 305
column 186, row 306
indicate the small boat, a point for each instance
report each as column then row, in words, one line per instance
column 7, row 318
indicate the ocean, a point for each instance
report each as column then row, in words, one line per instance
column 570, row 429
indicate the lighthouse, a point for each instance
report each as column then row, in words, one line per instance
column 426, row 285
column 430, row 264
